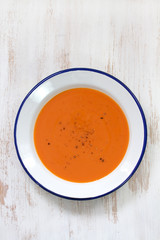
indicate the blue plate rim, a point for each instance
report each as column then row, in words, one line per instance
column 115, row 79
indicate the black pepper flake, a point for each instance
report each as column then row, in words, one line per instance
column 49, row 143
column 76, row 146
column 102, row 160
column 101, row 117
column 82, row 144
column 64, row 128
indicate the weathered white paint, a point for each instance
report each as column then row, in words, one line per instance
column 37, row 38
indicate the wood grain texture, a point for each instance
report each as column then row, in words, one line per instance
column 40, row 37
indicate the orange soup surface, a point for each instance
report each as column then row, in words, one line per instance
column 81, row 135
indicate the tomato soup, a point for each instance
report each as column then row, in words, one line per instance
column 81, row 135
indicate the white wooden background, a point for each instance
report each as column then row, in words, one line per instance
column 39, row 37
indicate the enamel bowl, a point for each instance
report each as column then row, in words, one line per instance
column 47, row 89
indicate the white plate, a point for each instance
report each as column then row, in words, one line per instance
column 42, row 93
